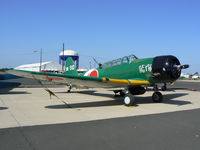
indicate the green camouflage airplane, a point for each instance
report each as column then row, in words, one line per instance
column 129, row 72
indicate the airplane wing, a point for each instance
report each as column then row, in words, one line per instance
column 79, row 80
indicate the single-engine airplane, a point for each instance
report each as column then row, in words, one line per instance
column 130, row 73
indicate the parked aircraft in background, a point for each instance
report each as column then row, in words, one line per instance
column 195, row 76
column 130, row 73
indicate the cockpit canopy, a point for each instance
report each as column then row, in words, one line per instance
column 125, row 59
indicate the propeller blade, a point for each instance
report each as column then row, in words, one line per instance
column 179, row 67
column 185, row 66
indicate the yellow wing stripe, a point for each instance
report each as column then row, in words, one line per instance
column 128, row 82
column 136, row 82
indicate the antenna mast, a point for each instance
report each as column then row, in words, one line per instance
column 40, row 59
column 63, row 58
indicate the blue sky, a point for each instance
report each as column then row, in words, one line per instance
column 104, row 29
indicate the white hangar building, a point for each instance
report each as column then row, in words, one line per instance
column 49, row 66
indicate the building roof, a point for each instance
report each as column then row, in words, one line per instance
column 33, row 65
column 50, row 66
column 69, row 53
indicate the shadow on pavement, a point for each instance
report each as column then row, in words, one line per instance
column 14, row 92
column 3, row 108
column 91, row 92
column 168, row 99
column 87, row 104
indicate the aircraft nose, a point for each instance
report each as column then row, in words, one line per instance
column 165, row 68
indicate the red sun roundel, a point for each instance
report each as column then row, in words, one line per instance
column 94, row 73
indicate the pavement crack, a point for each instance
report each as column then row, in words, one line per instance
column 20, row 127
column 26, row 139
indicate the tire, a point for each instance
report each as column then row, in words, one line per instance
column 129, row 100
column 157, row 97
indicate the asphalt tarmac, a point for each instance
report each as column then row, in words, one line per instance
column 172, row 130
column 175, row 131
column 181, row 84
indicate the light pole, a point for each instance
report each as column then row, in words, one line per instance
column 35, row 51
column 40, row 59
column 63, row 61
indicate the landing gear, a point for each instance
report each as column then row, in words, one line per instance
column 129, row 100
column 164, row 88
column 157, row 96
column 129, row 93
column 70, row 87
column 128, row 97
column 121, row 93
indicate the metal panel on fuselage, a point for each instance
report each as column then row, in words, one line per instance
column 139, row 68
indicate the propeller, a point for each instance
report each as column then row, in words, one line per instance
column 185, row 66
column 179, row 67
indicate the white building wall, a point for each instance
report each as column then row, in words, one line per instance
column 48, row 66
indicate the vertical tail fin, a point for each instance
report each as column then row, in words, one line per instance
column 70, row 67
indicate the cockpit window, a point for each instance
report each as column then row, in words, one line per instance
column 126, row 59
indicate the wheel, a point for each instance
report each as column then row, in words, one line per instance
column 163, row 88
column 157, row 97
column 69, row 90
column 128, row 100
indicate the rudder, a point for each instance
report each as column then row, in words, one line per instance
column 70, row 67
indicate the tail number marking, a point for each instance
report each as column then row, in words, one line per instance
column 145, row 68
column 71, row 67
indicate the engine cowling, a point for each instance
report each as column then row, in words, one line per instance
column 166, row 68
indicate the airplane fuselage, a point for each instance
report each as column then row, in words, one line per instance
column 158, row 69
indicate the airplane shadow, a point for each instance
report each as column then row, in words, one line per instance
column 87, row 104
column 90, row 92
column 14, row 92
column 3, row 108
column 168, row 99
column 90, row 104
